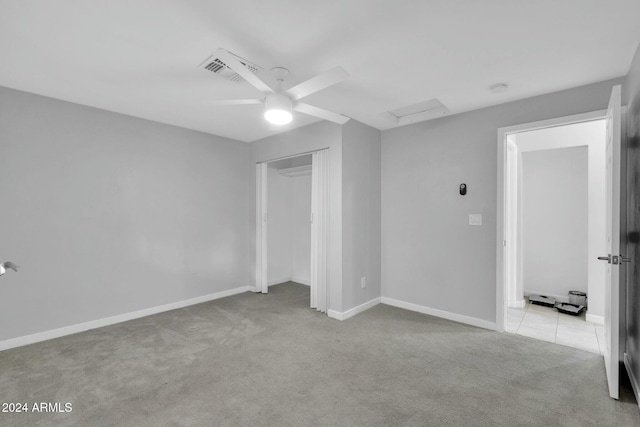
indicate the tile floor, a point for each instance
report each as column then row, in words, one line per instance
column 547, row 324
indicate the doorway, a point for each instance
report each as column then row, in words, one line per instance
column 289, row 219
column 292, row 196
column 554, row 229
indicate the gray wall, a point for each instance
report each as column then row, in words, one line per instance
column 632, row 322
column 431, row 256
column 109, row 214
column 301, row 225
column 354, row 207
column 554, row 221
column 289, row 233
column 279, row 239
column 361, row 206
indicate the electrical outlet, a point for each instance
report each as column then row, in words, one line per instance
column 475, row 219
column 363, row 282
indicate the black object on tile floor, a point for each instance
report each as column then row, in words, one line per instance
column 542, row 300
column 566, row 308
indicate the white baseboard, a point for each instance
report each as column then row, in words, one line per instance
column 289, row 279
column 635, row 384
column 517, row 304
column 598, row 320
column 355, row 310
column 278, row 281
column 93, row 324
column 302, row 281
column 473, row 321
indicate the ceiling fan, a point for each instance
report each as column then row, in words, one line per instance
column 278, row 103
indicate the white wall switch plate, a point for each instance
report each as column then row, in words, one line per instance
column 475, row 219
column 363, row 282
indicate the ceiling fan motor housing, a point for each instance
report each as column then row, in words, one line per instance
column 278, row 108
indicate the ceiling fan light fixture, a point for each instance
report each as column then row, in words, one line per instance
column 277, row 109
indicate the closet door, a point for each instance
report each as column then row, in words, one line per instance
column 261, row 228
column 319, row 228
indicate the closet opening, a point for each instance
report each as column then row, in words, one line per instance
column 292, row 225
column 289, row 218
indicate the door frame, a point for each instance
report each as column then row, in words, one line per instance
column 262, row 228
column 505, row 239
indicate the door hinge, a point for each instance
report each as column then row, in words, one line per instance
column 311, row 218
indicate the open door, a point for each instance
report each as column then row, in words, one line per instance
column 613, row 258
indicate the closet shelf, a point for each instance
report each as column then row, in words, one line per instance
column 296, row 171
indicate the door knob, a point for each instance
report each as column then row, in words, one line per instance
column 616, row 259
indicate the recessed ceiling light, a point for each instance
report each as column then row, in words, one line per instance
column 499, row 88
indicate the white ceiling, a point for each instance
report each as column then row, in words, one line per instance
column 140, row 57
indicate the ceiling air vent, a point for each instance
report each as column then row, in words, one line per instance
column 419, row 112
column 217, row 66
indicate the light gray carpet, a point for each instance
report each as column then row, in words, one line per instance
column 270, row 360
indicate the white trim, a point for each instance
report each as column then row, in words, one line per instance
column 288, row 279
column 594, row 318
column 634, row 381
column 518, row 304
column 355, row 310
column 512, row 210
column 302, row 281
column 279, row 281
column 473, row 321
column 558, row 121
column 501, row 232
column 93, row 324
column 335, row 315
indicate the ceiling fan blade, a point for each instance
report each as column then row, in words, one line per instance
column 219, row 102
column 321, row 113
column 243, row 71
column 319, row 82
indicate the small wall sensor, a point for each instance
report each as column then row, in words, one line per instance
column 463, row 189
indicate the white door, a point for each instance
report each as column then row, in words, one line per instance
column 319, row 227
column 261, row 228
column 612, row 289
